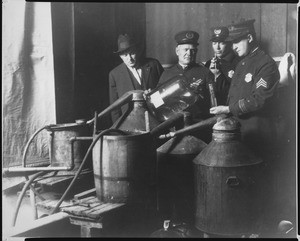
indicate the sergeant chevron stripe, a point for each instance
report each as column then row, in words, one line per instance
column 262, row 83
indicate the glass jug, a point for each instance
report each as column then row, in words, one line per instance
column 173, row 96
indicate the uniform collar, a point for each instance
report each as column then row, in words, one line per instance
column 229, row 57
column 179, row 66
column 253, row 51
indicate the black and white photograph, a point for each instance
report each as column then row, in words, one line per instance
column 149, row 119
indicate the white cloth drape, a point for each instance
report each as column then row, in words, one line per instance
column 28, row 97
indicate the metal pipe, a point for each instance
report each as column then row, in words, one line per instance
column 29, row 141
column 33, row 204
column 197, row 126
column 119, row 102
column 81, row 166
column 147, row 121
column 166, row 124
column 36, row 169
column 15, row 215
column 95, row 123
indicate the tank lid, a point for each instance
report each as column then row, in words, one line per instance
column 227, row 124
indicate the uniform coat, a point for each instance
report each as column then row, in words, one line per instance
column 121, row 80
column 251, row 100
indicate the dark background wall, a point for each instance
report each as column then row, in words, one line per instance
column 85, row 37
column 97, row 26
column 275, row 26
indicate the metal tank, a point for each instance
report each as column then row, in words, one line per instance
column 175, row 175
column 228, row 184
column 62, row 150
column 137, row 117
column 125, row 164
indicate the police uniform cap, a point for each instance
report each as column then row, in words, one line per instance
column 239, row 30
column 219, row 34
column 187, row 37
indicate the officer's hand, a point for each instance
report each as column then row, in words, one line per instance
column 214, row 70
column 221, row 109
column 147, row 91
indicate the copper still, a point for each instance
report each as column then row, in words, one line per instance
column 175, row 175
column 228, row 184
column 137, row 117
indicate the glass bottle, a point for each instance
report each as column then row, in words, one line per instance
column 173, row 96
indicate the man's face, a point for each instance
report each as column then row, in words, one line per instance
column 130, row 58
column 242, row 47
column 220, row 48
column 186, row 53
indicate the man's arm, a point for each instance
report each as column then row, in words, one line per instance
column 265, row 83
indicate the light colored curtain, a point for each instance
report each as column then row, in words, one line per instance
column 28, row 96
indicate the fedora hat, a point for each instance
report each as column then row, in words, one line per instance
column 125, row 42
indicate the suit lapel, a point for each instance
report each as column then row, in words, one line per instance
column 127, row 81
column 145, row 75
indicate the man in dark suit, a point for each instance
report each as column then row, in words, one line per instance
column 135, row 73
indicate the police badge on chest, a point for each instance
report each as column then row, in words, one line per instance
column 248, row 77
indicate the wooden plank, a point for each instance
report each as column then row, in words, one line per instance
column 38, row 223
column 94, row 209
column 85, row 193
column 76, row 210
column 90, row 199
column 98, row 208
column 103, row 210
column 86, row 223
column 50, row 204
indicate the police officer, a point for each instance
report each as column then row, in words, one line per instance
column 186, row 51
column 253, row 85
column 251, row 97
column 223, row 64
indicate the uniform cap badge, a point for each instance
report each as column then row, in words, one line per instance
column 189, row 35
column 248, row 77
column 230, row 73
column 217, row 31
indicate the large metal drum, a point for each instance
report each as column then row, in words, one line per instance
column 124, row 168
column 175, row 176
column 228, row 184
column 60, row 145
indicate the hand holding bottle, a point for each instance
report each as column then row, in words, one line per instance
column 214, row 67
